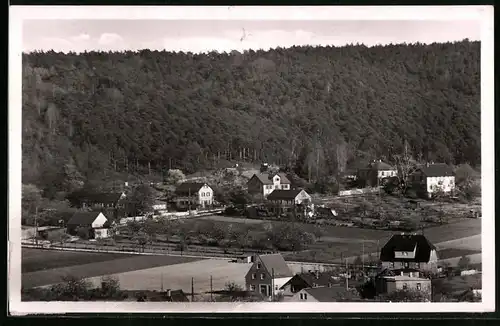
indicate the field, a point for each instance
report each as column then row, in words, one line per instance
column 179, row 276
column 80, row 264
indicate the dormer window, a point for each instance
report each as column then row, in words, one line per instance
column 258, row 265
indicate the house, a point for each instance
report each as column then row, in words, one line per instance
column 96, row 222
column 267, row 275
column 374, row 173
column 102, row 200
column 409, row 251
column 310, row 279
column 389, row 284
column 430, row 178
column 194, row 194
column 285, row 201
column 264, row 183
column 336, row 293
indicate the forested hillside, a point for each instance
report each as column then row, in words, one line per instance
column 84, row 114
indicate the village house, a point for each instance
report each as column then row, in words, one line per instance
column 192, row 195
column 287, row 201
column 409, row 251
column 335, row 293
column 310, row 279
column 374, row 173
column 95, row 222
column 264, row 184
column 267, row 275
column 389, row 284
column 102, row 200
column 430, row 178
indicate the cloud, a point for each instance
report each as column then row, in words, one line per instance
column 110, row 39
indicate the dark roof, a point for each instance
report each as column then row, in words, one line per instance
column 274, row 263
column 111, row 198
column 267, row 179
column 189, row 187
column 83, row 218
column 332, row 294
column 407, row 242
column 436, row 170
column 280, row 194
column 379, row 165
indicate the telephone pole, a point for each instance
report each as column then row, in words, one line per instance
column 211, row 289
column 272, row 284
column 346, row 275
column 192, row 289
column 36, row 225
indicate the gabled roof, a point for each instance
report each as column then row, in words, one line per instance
column 380, row 166
column 332, row 294
column 436, row 170
column 315, row 278
column 83, row 218
column 274, row 263
column 267, row 179
column 189, row 187
column 407, row 242
column 280, row 194
column 108, row 198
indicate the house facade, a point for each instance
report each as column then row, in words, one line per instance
column 389, row 284
column 264, row 183
column 96, row 222
column 431, row 178
column 192, row 195
column 267, row 275
column 373, row 174
column 103, row 200
column 286, row 201
column 404, row 251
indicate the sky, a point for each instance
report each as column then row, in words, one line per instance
column 196, row 36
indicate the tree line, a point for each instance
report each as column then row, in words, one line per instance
column 318, row 108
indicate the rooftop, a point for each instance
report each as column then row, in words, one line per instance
column 407, row 242
column 280, row 194
column 274, row 263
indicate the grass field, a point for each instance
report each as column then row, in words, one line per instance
column 85, row 269
column 179, row 276
column 39, row 259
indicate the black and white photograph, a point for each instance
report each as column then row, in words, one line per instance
column 243, row 159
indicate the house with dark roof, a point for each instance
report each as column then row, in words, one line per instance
column 192, row 195
column 288, row 201
column 310, row 279
column 336, row 293
column 267, row 275
column 264, row 183
column 374, row 173
column 409, row 251
column 96, row 222
column 430, row 178
column 100, row 200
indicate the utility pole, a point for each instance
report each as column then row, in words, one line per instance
column 211, row 289
column 272, row 284
column 363, row 257
column 346, row 275
column 161, row 282
column 192, row 289
column 36, row 225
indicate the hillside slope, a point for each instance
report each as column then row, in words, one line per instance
column 134, row 111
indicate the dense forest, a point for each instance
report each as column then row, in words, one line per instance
column 86, row 114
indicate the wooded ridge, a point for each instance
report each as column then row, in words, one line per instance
column 84, row 114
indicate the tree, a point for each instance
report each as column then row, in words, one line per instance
column 463, row 263
column 405, row 167
column 31, row 201
column 110, row 287
column 140, row 201
column 174, row 177
column 405, row 296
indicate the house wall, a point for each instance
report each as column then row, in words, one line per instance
column 255, row 186
column 302, row 197
column 249, row 281
column 389, row 285
column 101, row 233
column 306, row 297
column 278, row 283
column 447, row 184
column 205, row 196
column 99, row 221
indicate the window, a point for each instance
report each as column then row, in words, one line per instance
column 419, row 286
column 262, row 275
column 301, row 296
column 417, row 265
column 258, row 265
column 382, row 173
column 392, row 264
column 254, row 276
column 276, row 287
column 407, row 265
column 285, row 186
column 405, row 286
column 305, row 296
